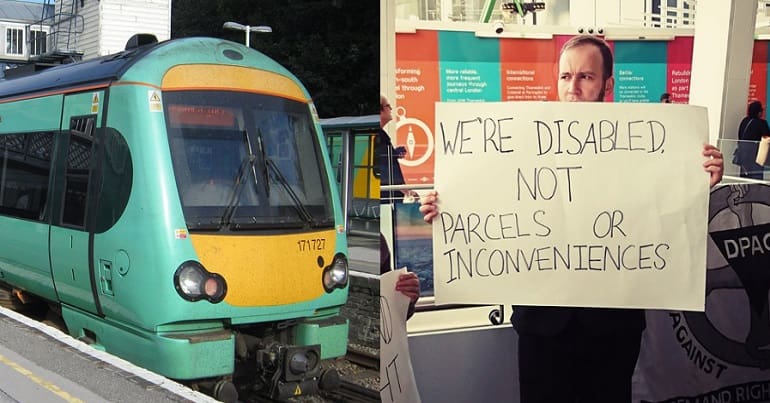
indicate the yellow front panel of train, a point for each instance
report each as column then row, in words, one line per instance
column 268, row 269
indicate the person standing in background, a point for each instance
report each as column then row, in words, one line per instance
column 750, row 132
column 387, row 156
column 390, row 174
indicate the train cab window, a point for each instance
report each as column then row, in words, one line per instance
column 246, row 161
column 25, row 163
column 78, row 170
column 115, row 178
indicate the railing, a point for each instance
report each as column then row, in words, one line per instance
column 63, row 30
column 732, row 171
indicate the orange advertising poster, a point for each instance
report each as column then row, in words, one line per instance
column 417, row 91
column 758, row 77
column 528, row 69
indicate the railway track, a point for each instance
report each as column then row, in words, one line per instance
column 352, row 393
column 363, row 358
column 348, row 392
column 361, row 366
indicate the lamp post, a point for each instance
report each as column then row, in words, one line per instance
column 247, row 29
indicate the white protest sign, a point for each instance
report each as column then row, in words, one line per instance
column 397, row 384
column 571, row 204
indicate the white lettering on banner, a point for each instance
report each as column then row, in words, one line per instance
column 747, row 246
column 701, row 358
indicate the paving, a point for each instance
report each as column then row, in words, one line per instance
column 39, row 363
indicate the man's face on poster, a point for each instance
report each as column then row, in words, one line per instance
column 581, row 75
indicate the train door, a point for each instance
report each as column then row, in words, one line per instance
column 71, row 243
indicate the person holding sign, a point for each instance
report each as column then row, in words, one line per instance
column 750, row 132
column 407, row 283
column 580, row 354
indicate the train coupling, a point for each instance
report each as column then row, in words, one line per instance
column 290, row 371
column 328, row 381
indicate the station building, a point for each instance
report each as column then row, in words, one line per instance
column 40, row 34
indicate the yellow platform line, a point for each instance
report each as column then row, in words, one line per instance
column 48, row 385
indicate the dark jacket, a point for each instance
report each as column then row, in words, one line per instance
column 549, row 321
column 388, row 167
column 751, row 129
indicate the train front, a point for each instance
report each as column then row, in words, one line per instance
column 262, row 215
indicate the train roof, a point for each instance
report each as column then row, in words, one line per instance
column 94, row 71
column 107, row 69
column 351, row 122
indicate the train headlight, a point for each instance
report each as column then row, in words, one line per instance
column 194, row 283
column 336, row 274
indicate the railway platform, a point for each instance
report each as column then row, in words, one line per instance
column 364, row 253
column 39, row 363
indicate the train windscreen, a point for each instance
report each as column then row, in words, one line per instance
column 246, row 161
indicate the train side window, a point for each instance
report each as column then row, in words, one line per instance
column 78, row 170
column 25, row 164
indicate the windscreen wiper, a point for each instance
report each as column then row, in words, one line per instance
column 235, row 193
column 265, row 173
column 298, row 205
column 267, row 165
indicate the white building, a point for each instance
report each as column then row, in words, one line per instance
column 65, row 30
column 108, row 24
column 23, row 30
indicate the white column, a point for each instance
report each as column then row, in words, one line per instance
column 582, row 13
column 721, row 63
column 387, row 52
column 446, row 9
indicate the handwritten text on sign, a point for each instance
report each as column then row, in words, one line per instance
column 571, row 204
column 397, row 384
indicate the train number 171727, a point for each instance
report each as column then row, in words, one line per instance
column 307, row 245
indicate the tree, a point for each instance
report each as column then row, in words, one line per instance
column 332, row 46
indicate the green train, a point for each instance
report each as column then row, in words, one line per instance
column 174, row 202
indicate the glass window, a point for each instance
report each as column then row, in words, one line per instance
column 334, row 148
column 676, row 12
column 14, row 41
column 37, row 42
column 25, row 164
column 246, row 161
column 78, row 170
column 115, row 178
